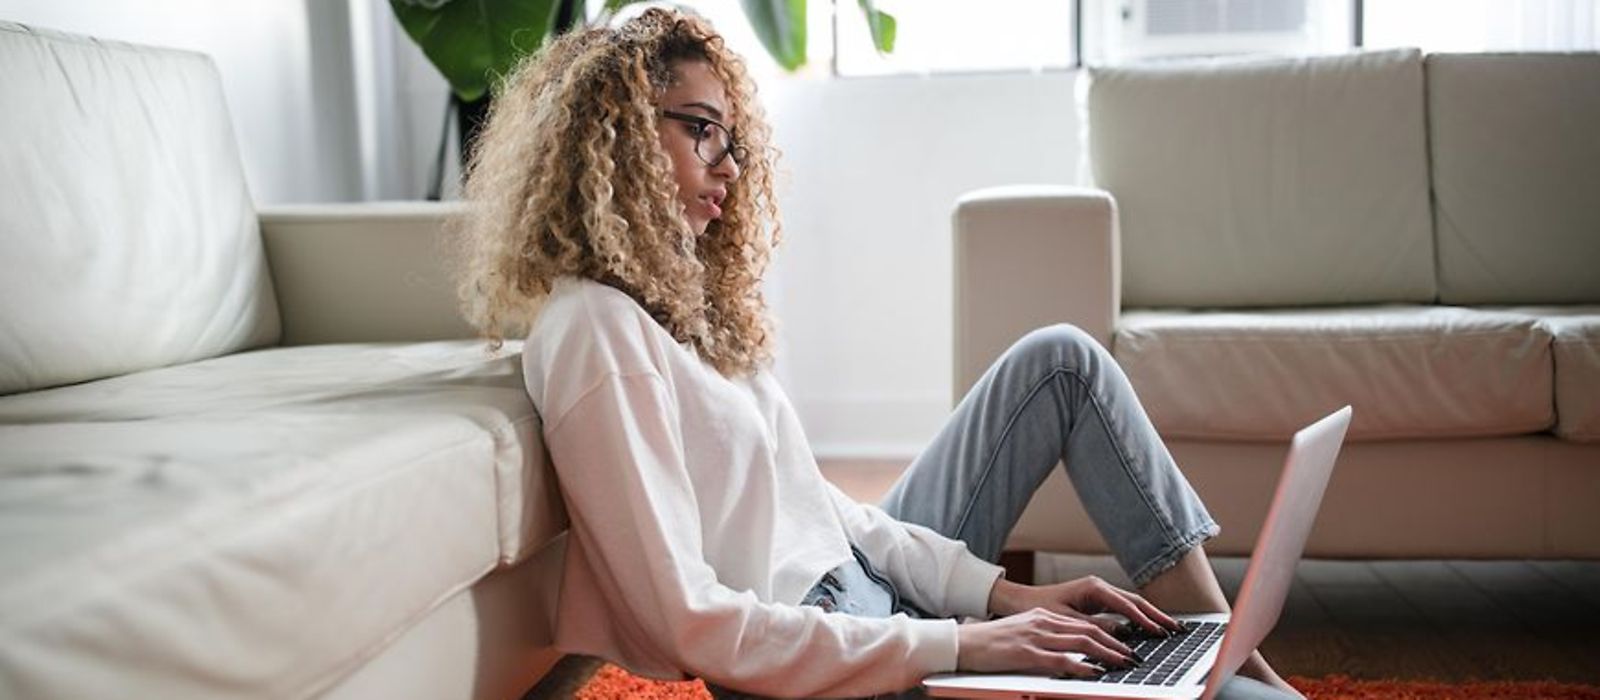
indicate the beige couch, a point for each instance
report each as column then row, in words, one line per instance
column 1270, row 239
column 242, row 455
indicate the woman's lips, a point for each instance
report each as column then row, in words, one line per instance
column 711, row 207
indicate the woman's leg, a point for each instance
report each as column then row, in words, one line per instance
column 1058, row 396
column 1054, row 396
column 1191, row 585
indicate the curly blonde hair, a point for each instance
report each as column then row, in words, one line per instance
column 569, row 178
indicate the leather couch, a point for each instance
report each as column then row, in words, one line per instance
column 243, row 454
column 1266, row 240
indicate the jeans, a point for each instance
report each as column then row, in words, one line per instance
column 1056, row 396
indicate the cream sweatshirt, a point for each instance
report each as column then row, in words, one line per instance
column 699, row 520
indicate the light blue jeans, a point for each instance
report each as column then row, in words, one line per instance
column 1056, row 396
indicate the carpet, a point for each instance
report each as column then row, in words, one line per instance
column 612, row 683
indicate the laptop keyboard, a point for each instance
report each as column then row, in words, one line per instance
column 1166, row 659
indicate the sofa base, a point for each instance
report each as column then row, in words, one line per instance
column 489, row 642
column 1531, row 497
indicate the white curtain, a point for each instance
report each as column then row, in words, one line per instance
column 1484, row 25
column 1544, row 25
column 400, row 101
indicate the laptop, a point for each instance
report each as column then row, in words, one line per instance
column 1195, row 663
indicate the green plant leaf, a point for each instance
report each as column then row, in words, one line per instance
column 781, row 27
column 475, row 43
column 882, row 25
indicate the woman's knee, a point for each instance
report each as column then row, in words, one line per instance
column 1059, row 344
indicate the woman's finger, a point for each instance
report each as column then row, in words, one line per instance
column 1093, row 649
column 1107, row 624
column 1153, row 612
column 1118, row 601
column 1060, row 664
column 1073, row 635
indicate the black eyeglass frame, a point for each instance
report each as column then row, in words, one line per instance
column 735, row 149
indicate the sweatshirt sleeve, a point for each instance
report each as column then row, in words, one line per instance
column 618, row 453
column 938, row 573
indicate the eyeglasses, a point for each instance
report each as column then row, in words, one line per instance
column 712, row 141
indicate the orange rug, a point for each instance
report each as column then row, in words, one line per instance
column 612, row 683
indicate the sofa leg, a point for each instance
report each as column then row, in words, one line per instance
column 1018, row 565
column 565, row 678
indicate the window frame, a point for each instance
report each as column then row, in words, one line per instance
column 1357, row 39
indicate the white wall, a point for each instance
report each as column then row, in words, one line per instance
column 862, row 281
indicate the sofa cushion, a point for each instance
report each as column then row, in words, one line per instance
column 319, row 499
column 1516, row 172
column 1409, row 371
column 1279, row 182
column 129, row 238
column 1576, row 350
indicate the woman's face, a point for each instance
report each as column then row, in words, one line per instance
column 696, row 96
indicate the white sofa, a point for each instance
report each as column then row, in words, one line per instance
column 241, row 455
column 1267, row 240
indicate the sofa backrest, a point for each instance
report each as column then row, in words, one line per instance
column 129, row 240
column 1515, row 145
column 1267, row 182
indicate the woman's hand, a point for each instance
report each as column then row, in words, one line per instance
column 1082, row 599
column 1037, row 641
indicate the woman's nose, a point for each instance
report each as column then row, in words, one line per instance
column 728, row 169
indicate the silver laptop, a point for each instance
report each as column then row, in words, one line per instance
column 1196, row 663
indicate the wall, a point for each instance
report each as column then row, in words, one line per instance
column 862, row 283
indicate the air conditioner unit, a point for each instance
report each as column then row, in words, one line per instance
column 1139, row 29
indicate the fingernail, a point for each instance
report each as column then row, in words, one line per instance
column 1136, row 657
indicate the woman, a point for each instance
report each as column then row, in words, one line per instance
column 622, row 198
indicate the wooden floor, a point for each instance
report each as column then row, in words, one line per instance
column 1443, row 620
column 1438, row 620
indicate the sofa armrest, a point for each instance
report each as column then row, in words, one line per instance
column 366, row 272
column 1031, row 256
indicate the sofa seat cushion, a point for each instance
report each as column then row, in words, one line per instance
column 1409, row 371
column 256, row 524
column 1576, row 350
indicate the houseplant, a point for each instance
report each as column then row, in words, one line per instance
column 475, row 43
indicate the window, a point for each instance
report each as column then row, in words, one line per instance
column 945, row 37
column 1119, row 31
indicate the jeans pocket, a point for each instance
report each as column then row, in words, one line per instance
column 882, row 581
column 825, row 594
